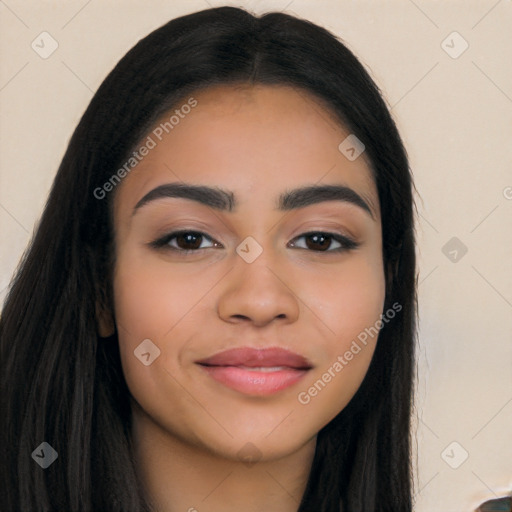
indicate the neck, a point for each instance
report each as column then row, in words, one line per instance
column 182, row 477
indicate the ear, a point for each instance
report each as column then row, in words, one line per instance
column 104, row 321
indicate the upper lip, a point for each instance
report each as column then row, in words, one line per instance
column 254, row 358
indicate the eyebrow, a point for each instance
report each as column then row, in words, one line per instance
column 224, row 200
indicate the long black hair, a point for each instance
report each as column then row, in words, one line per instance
column 63, row 384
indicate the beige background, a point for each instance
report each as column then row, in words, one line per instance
column 455, row 116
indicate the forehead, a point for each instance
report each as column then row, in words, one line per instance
column 253, row 140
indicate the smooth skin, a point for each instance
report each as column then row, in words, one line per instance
column 191, row 432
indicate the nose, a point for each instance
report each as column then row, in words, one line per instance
column 258, row 293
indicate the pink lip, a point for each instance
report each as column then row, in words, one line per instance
column 232, row 368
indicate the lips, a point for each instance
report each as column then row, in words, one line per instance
column 253, row 358
column 256, row 372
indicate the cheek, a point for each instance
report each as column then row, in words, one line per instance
column 349, row 308
column 150, row 299
column 349, row 300
column 149, row 303
column 164, row 303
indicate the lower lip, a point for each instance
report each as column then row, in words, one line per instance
column 258, row 383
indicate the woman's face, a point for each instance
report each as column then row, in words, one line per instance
column 244, row 328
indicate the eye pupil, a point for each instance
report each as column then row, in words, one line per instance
column 188, row 238
column 319, row 239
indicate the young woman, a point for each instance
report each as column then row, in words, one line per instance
column 218, row 309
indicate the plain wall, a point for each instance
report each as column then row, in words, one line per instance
column 455, row 117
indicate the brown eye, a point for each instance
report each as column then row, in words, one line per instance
column 189, row 240
column 319, row 242
column 322, row 242
column 184, row 241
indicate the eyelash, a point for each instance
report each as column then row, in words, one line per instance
column 347, row 244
